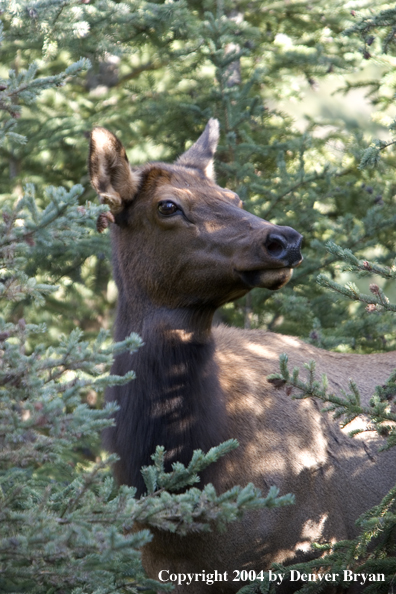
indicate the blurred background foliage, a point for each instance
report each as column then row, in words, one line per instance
column 304, row 91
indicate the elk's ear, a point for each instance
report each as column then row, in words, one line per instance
column 201, row 153
column 109, row 170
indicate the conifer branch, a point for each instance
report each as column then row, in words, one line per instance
column 346, row 405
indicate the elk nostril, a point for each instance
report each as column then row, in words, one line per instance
column 275, row 246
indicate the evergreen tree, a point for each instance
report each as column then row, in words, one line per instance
column 373, row 550
column 65, row 526
column 158, row 70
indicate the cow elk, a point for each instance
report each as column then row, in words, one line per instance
column 182, row 247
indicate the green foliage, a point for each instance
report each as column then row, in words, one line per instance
column 158, row 72
column 348, row 404
column 153, row 73
column 64, row 523
column 382, row 22
column 372, row 552
column 373, row 549
column 198, row 510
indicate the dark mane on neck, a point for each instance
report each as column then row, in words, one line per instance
column 175, row 401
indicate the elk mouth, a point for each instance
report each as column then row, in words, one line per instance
column 270, row 278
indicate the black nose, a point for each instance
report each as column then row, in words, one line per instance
column 285, row 244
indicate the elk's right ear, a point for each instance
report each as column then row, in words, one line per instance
column 109, row 170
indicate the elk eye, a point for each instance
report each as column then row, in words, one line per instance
column 166, row 207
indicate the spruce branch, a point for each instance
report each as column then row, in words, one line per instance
column 364, row 554
column 195, row 509
column 383, row 21
column 347, row 405
column 23, row 88
column 359, row 265
column 377, row 301
column 350, row 290
column 371, row 155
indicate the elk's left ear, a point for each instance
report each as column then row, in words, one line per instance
column 109, row 170
column 201, row 154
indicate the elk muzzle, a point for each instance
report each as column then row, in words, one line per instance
column 281, row 252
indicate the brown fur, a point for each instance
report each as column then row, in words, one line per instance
column 197, row 386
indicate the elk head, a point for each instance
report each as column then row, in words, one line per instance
column 180, row 239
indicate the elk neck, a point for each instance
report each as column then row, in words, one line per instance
column 176, row 400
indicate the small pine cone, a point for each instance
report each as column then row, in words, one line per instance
column 366, row 265
column 371, row 307
column 374, row 289
column 104, row 221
